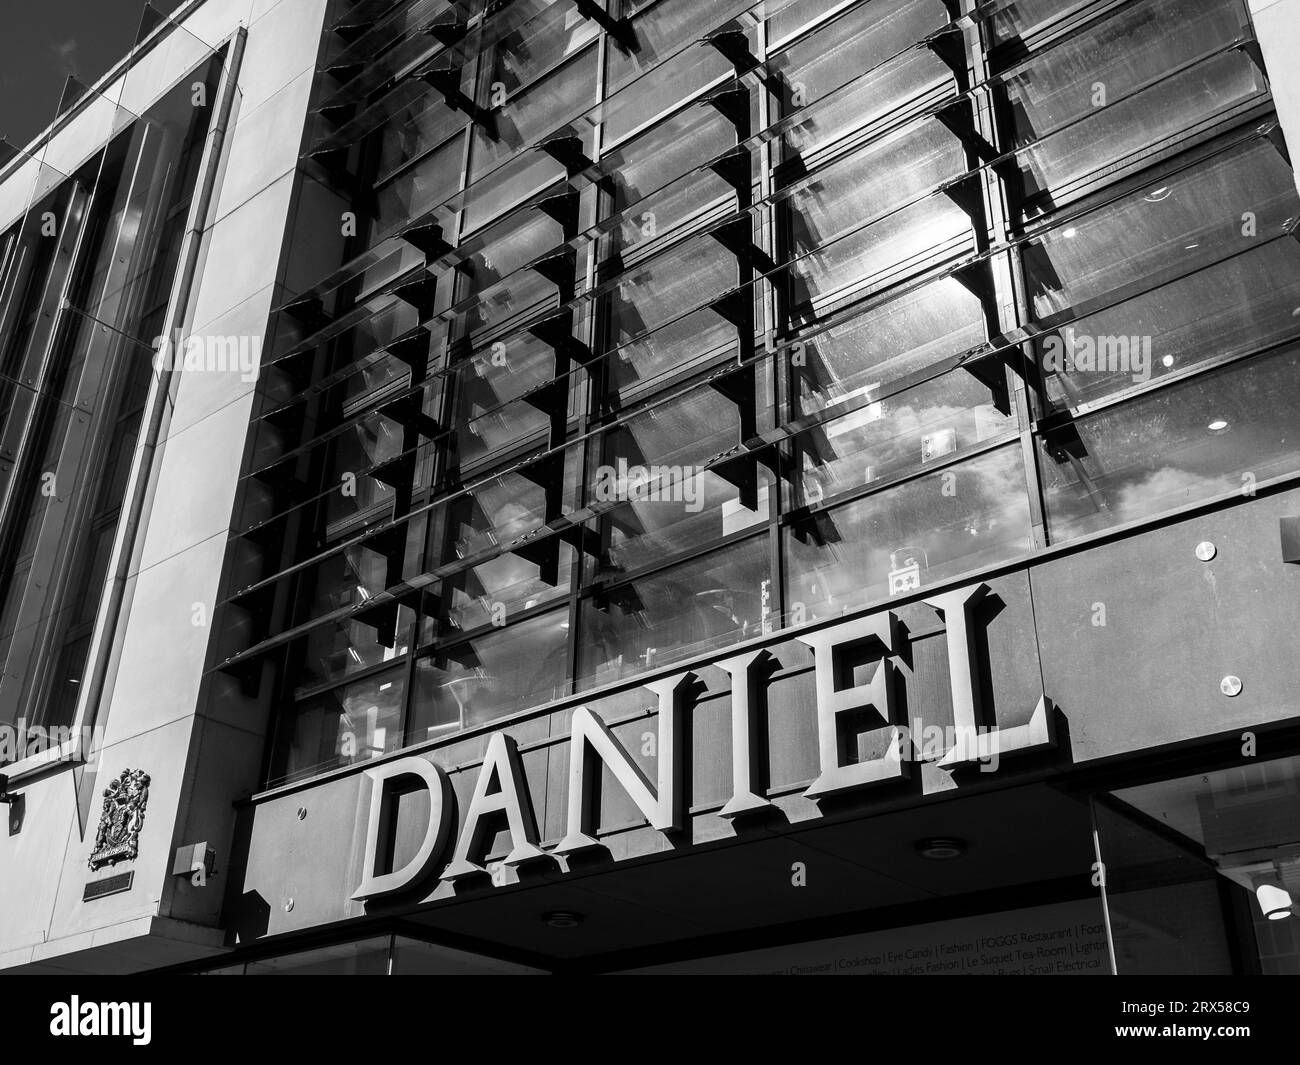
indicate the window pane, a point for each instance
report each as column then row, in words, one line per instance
column 532, row 36
column 869, row 183
column 857, row 41
column 350, row 724
column 886, row 343
column 1150, row 121
column 1242, row 305
column 933, row 421
column 968, row 516
column 523, row 665
column 1124, row 53
column 1172, row 226
column 700, row 606
column 881, row 254
column 535, row 112
column 1190, row 441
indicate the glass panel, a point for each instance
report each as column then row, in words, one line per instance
column 885, row 439
column 366, row 958
column 1133, row 129
column 859, row 40
column 1166, row 907
column 1213, row 434
column 653, row 465
column 969, row 516
column 486, row 417
column 1170, row 227
column 877, row 256
column 337, row 649
column 492, row 592
column 1142, row 43
column 700, row 606
column 1010, row 22
column 1231, row 308
column 886, row 343
column 869, row 183
column 873, row 98
column 350, row 724
column 651, row 294
column 523, row 665
column 662, row 31
column 421, row 188
column 531, row 37
column 1242, row 823
column 535, row 112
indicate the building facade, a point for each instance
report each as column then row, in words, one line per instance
column 671, row 486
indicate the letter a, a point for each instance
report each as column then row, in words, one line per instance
column 502, row 767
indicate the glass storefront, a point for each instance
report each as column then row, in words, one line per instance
column 1202, row 871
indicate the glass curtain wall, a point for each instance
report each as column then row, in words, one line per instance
column 667, row 325
column 84, row 292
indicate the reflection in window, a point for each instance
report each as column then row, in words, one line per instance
column 966, row 517
column 1191, row 218
column 887, row 437
column 350, row 724
column 1056, row 169
column 522, row 665
column 886, row 343
column 1125, row 53
column 1245, row 304
column 535, row 112
column 1191, row 441
column 699, row 606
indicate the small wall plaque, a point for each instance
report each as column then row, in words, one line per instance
column 111, row 885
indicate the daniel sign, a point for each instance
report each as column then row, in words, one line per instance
column 501, row 792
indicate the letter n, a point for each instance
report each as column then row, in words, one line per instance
column 384, row 793
column 591, row 741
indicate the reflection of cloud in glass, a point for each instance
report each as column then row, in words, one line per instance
column 977, row 517
column 1159, row 490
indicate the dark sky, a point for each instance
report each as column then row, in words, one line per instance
column 43, row 41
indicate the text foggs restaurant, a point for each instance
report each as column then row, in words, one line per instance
column 673, row 486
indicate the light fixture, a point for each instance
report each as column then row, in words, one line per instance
column 1159, row 195
column 562, row 919
column 1274, row 899
column 1219, row 425
column 1168, row 360
column 940, row 848
column 1070, row 232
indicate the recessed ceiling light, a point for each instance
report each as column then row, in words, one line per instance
column 940, row 848
column 562, row 919
column 1158, row 195
column 1069, row 232
column 1217, row 426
